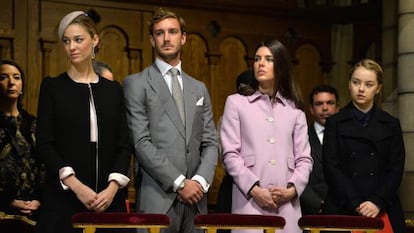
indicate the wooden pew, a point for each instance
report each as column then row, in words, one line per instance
column 212, row 222
column 317, row 223
column 89, row 221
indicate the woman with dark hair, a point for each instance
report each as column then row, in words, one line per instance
column 363, row 152
column 21, row 174
column 265, row 140
column 82, row 134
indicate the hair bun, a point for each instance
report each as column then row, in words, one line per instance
column 93, row 14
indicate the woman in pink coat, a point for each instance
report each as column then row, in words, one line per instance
column 265, row 141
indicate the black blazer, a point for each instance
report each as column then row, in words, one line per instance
column 364, row 163
column 316, row 190
column 63, row 139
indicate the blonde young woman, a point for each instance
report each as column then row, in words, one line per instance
column 82, row 134
column 363, row 152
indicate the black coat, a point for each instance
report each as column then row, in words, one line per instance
column 63, row 139
column 316, row 190
column 364, row 163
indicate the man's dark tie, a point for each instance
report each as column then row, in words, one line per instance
column 177, row 93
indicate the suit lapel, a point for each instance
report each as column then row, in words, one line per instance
column 189, row 104
column 315, row 143
column 159, row 86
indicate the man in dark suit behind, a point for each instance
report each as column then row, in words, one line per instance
column 174, row 136
column 323, row 102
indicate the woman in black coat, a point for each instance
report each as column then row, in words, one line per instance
column 363, row 153
column 82, row 135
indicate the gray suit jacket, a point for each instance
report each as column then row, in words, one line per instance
column 165, row 148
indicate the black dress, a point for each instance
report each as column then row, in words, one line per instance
column 21, row 173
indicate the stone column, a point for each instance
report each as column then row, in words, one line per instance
column 389, row 58
column 405, row 95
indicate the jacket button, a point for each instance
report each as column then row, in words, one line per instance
column 352, row 155
column 271, row 140
column 372, row 154
column 371, row 173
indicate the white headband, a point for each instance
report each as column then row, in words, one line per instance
column 67, row 20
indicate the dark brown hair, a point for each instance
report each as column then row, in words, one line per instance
column 283, row 71
column 162, row 14
column 323, row 88
column 14, row 63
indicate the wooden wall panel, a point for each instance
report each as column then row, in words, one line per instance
column 307, row 71
column 232, row 62
column 194, row 59
column 112, row 50
column 7, row 29
column 6, row 16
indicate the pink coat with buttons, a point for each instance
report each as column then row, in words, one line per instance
column 265, row 142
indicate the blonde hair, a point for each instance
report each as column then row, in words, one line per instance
column 370, row 65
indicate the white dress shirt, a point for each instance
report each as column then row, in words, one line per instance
column 319, row 129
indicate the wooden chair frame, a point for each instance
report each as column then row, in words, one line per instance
column 89, row 222
column 213, row 229
column 91, row 228
column 16, row 223
column 237, row 221
column 319, row 229
column 318, row 223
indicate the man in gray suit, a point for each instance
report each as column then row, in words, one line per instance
column 175, row 145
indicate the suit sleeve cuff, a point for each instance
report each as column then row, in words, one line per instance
column 257, row 183
column 177, row 182
column 122, row 180
column 64, row 173
column 202, row 181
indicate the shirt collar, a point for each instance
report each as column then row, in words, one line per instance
column 258, row 94
column 165, row 67
column 318, row 127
